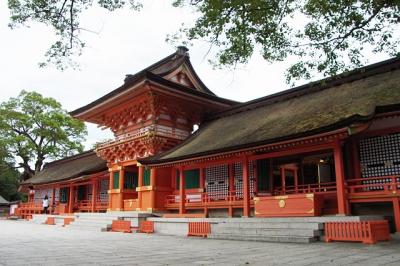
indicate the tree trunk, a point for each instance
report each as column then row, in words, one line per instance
column 28, row 172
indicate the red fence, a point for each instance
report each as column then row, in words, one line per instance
column 202, row 229
column 68, row 220
column 373, row 184
column 205, row 198
column 307, row 188
column 147, row 227
column 368, row 232
column 121, row 226
column 50, row 221
column 26, row 210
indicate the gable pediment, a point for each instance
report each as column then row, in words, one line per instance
column 184, row 76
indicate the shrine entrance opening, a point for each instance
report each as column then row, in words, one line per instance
column 130, row 182
column 302, row 173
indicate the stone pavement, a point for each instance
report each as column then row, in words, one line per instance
column 24, row 243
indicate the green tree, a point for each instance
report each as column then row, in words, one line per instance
column 323, row 36
column 34, row 128
column 9, row 176
column 64, row 17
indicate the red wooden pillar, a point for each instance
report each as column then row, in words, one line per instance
column 246, row 188
column 355, row 159
column 110, row 187
column 53, row 199
column 94, row 195
column 182, row 193
column 121, row 187
column 71, row 199
column 232, row 177
column 153, row 178
column 232, row 192
column 296, row 180
column 283, row 178
column 202, row 179
column 140, row 184
column 396, row 212
column 340, row 181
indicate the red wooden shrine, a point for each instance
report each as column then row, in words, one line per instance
column 260, row 158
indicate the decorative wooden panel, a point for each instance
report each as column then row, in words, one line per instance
column 217, row 181
column 380, row 156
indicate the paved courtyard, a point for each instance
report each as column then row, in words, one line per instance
column 24, row 243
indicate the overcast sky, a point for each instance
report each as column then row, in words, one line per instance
column 127, row 42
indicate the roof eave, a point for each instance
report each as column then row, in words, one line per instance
column 337, row 126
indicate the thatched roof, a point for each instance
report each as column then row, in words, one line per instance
column 3, row 201
column 79, row 165
column 302, row 111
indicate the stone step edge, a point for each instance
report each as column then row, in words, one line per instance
column 277, row 239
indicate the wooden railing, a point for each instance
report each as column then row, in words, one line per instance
column 386, row 184
column 307, row 188
column 368, row 232
column 204, row 198
column 101, row 205
column 202, row 229
column 83, row 205
column 26, row 210
column 146, row 227
column 86, row 205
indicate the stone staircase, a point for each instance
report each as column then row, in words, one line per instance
column 287, row 230
column 268, row 231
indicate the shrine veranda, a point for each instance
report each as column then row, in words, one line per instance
column 331, row 147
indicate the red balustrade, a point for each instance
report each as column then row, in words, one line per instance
column 50, row 221
column 147, row 227
column 204, row 198
column 386, row 184
column 121, row 226
column 368, row 232
column 307, row 188
column 26, row 210
column 202, row 229
column 68, row 220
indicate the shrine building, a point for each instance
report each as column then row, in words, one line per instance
column 330, row 147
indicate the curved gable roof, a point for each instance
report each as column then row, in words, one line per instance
column 160, row 70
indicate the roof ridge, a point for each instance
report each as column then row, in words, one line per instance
column 312, row 87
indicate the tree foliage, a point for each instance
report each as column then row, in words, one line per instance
column 9, row 176
column 64, row 17
column 324, row 36
column 34, row 128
